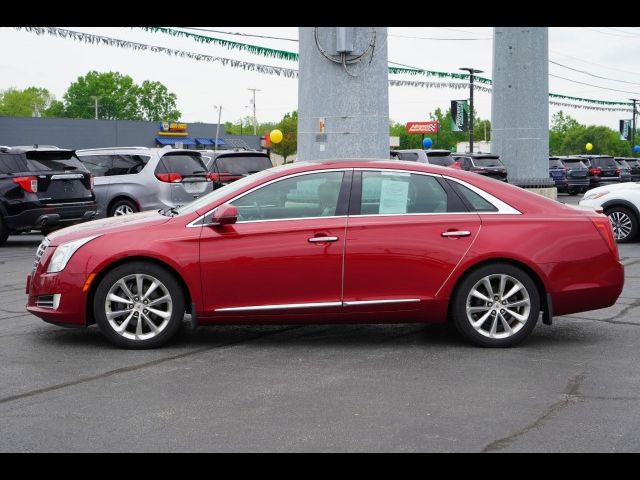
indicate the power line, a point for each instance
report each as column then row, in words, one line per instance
column 241, row 34
column 591, row 85
column 593, row 63
column 438, row 38
column 609, row 33
column 592, row 74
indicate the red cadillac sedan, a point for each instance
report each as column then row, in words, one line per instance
column 331, row 242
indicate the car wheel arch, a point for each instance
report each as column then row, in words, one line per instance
column 622, row 203
column 89, row 320
column 545, row 300
column 119, row 197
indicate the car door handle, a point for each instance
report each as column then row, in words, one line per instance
column 322, row 239
column 456, row 233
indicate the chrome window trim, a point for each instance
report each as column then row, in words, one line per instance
column 503, row 208
column 291, row 306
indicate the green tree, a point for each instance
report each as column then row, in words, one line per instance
column 156, row 102
column 289, row 128
column 27, row 102
column 117, row 96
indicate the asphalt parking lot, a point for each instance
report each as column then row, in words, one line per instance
column 572, row 387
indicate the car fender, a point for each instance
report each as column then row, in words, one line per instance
column 615, row 202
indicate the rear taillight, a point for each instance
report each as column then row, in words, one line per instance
column 171, row 177
column 219, row 177
column 595, row 171
column 617, row 171
column 603, row 225
column 28, row 184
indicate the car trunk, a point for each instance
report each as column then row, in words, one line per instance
column 187, row 175
column 490, row 167
column 60, row 177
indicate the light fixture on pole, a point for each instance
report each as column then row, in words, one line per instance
column 471, row 72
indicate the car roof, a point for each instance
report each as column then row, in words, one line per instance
column 160, row 150
column 477, row 155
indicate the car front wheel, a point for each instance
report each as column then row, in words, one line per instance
column 496, row 305
column 139, row 305
column 122, row 207
column 624, row 224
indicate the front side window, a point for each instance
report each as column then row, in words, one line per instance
column 392, row 193
column 303, row 196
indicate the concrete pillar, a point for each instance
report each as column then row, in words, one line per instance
column 343, row 111
column 520, row 104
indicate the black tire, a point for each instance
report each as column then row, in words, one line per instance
column 120, row 205
column 4, row 232
column 624, row 223
column 573, row 191
column 528, row 295
column 168, row 286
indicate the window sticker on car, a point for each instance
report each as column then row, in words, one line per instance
column 393, row 195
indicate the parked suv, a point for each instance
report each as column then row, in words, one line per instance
column 634, row 164
column 43, row 189
column 434, row 157
column 625, row 169
column 227, row 166
column 485, row 164
column 603, row 169
column 570, row 174
column 133, row 179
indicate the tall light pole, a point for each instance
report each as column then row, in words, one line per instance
column 633, row 125
column 95, row 99
column 219, row 107
column 255, row 125
column 471, row 72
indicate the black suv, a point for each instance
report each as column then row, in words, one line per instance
column 634, row 163
column 43, row 189
column 485, row 164
column 603, row 169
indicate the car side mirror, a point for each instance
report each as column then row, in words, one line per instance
column 225, row 214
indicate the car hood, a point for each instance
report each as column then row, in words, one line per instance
column 107, row 225
column 614, row 187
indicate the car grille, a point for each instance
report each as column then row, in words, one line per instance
column 41, row 248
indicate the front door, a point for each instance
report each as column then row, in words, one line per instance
column 406, row 234
column 285, row 252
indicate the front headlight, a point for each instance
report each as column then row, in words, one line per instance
column 593, row 196
column 64, row 252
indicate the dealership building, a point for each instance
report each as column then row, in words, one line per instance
column 77, row 134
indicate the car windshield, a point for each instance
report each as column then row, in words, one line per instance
column 221, row 192
column 555, row 163
column 604, row 162
column 488, row 162
column 40, row 161
column 574, row 163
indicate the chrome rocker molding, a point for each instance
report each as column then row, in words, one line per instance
column 291, row 306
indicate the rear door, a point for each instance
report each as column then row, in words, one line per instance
column 189, row 178
column 61, row 177
column 406, row 233
column 99, row 166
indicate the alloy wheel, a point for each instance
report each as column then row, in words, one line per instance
column 123, row 210
column 498, row 306
column 621, row 224
column 138, row 307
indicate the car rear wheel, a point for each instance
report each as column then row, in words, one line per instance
column 624, row 224
column 122, row 207
column 139, row 305
column 496, row 305
column 573, row 190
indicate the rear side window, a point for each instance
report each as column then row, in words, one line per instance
column 11, row 163
column 410, row 156
column 242, row 164
column 111, row 165
column 442, row 160
column 394, row 193
column 476, row 202
column 184, row 164
column 52, row 161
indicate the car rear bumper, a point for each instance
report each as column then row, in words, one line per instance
column 51, row 216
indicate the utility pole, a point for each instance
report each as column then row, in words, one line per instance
column 471, row 72
column 633, row 125
column 255, row 125
column 219, row 107
column 95, row 99
column 36, row 110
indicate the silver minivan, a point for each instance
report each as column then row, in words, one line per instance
column 133, row 179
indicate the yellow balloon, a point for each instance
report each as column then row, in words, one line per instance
column 589, row 147
column 275, row 136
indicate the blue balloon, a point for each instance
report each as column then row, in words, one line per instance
column 636, row 149
column 427, row 142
